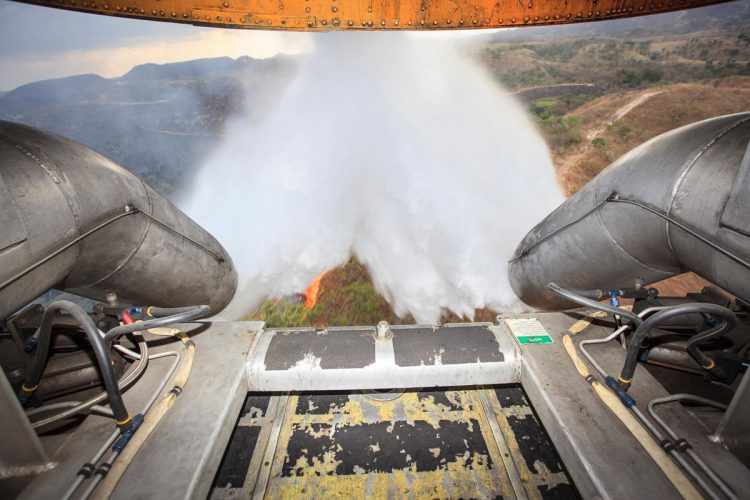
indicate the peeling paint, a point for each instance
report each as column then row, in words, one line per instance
column 423, row 444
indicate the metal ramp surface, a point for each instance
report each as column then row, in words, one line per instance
column 438, row 443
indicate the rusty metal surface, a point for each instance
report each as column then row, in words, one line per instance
column 332, row 15
column 419, row 444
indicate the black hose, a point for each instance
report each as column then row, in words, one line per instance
column 730, row 321
column 39, row 361
column 580, row 299
column 187, row 315
column 159, row 312
column 631, row 360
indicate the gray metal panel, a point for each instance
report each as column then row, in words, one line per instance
column 84, row 441
column 305, row 370
column 603, row 458
column 180, row 459
column 601, row 455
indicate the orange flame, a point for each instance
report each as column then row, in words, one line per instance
column 312, row 292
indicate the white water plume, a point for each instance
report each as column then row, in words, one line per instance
column 399, row 150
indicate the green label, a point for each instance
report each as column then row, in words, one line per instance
column 528, row 331
column 535, row 339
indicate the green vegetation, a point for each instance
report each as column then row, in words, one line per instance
column 347, row 297
column 281, row 313
column 560, row 131
column 646, row 76
column 619, row 64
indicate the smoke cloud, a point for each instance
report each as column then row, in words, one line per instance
column 396, row 149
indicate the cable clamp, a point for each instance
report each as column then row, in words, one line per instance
column 86, row 470
column 667, row 445
column 619, row 390
column 103, row 469
column 682, row 445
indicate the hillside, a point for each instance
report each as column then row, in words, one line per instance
column 159, row 121
column 620, row 63
column 614, row 124
column 594, row 90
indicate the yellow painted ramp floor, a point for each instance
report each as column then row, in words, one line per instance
column 458, row 443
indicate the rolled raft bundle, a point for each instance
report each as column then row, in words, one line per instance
column 74, row 220
column 680, row 202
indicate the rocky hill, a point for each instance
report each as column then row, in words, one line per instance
column 595, row 91
column 159, row 121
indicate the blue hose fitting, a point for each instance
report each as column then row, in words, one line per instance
column 614, row 298
column 127, row 432
column 613, row 384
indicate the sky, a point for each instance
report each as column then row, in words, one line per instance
column 38, row 43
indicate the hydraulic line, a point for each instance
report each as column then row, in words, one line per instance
column 630, row 403
column 150, row 421
column 123, row 384
column 600, row 306
column 39, row 361
column 99, row 410
column 606, row 339
column 133, row 373
column 631, row 359
column 89, row 468
column 613, row 335
column 703, row 337
column 689, row 450
column 616, row 406
column 185, row 315
column 160, row 312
